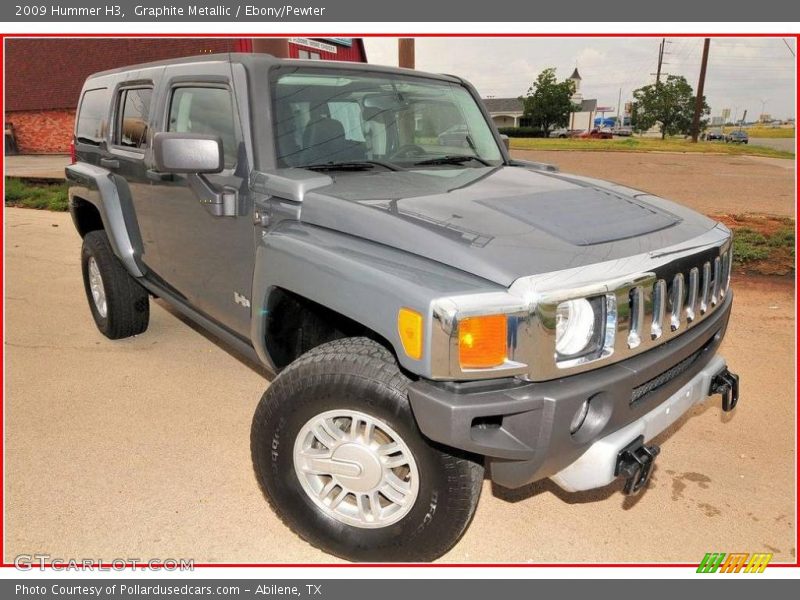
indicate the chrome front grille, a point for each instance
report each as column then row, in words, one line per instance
column 665, row 306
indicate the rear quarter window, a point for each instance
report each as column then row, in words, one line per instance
column 133, row 117
column 92, row 123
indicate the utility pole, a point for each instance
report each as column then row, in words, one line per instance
column 619, row 108
column 660, row 59
column 662, row 50
column 405, row 50
column 698, row 102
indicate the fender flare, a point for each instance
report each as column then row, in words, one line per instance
column 362, row 280
column 100, row 188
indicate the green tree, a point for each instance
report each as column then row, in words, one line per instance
column 668, row 104
column 548, row 102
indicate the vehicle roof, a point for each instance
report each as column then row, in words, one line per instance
column 255, row 60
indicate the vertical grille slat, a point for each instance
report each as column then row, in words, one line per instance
column 676, row 300
column 637, row 317
column 726, row 274
column 706, row 288
column 730, row 269
column 691, row 301
column 659, row 308
column 717, row 281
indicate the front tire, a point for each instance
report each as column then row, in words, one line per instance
column 340, row 458
column 120, row 306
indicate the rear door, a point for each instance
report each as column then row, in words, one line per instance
column 129, row 147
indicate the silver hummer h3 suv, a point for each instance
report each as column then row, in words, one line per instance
column 429, row 307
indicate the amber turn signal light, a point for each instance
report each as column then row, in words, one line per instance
column 482, row 342
column 409, row 326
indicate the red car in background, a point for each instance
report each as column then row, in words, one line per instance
column 596, row 134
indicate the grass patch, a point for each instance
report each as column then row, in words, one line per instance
column 25, row 193
column 762, row 244
column 769, row 132
column 638, row 144
column 749, row 245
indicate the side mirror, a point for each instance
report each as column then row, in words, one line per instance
column 506, row 141
column 188, row 153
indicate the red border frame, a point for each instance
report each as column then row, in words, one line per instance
column 107, row 566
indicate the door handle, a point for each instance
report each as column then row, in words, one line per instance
column 109, row 163
column 154, row 175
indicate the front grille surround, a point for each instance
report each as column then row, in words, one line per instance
column 648, row 300
column 680, row 289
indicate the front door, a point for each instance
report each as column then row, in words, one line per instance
column 208, row 259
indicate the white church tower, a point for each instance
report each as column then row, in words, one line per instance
column 577, row 97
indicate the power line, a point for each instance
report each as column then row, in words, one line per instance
column 788, row 46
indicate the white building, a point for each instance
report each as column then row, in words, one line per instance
column 584, row 118
column 507, row 112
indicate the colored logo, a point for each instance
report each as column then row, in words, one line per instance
column 714, row 562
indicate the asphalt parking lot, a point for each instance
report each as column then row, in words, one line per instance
column 139, row 448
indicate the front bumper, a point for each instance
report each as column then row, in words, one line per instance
column 524, row 428
column 596, row 467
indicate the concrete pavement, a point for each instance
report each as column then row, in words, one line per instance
column 36, row 166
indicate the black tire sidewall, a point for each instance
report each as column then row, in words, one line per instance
column 421, row 535
column 92, row 249
column 127, row 302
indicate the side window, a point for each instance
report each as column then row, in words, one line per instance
column 208, row 111
column 133, row 117
column 92, row 123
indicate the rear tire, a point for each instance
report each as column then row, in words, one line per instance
column 120, row 306
column 354, row 386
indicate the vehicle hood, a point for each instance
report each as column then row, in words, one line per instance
column 500, row 223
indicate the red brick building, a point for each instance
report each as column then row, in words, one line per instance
column 44, row 76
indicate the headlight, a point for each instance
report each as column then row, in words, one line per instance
column 575, row 326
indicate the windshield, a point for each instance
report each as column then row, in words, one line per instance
column 324, row 116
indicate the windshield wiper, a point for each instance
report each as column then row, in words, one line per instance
column 453, row 159
column 350, row 165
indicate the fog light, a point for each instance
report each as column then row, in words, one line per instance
column 579, row 417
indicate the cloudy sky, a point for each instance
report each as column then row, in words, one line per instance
column 742, row 72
